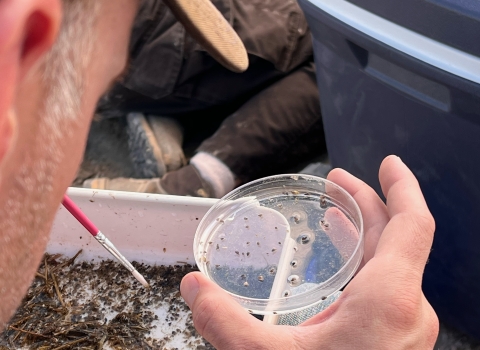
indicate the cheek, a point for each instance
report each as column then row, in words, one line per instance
column 7, row 131
column 110, row 58
column 73, row 143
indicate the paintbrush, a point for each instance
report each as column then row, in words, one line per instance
column 100, row 237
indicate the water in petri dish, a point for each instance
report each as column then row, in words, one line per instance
column 277, row 247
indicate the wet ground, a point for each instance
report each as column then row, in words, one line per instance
column 75, row 304
column 107, row 155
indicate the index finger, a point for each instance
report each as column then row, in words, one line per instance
column 401, row 188
column 374, row 211
column 409, row 234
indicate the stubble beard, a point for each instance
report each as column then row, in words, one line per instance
column 25, row 213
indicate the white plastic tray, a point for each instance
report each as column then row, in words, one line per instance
column 149, row 228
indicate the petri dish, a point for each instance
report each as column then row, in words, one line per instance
column 281, row 244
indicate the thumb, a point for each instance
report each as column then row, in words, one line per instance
column 222, row 321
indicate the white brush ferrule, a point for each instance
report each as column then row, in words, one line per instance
column 105, row 242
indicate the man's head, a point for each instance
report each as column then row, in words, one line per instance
column 56, row 59
column 55, row 63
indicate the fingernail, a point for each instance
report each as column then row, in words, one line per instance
column 393, row 156
column 189, row 289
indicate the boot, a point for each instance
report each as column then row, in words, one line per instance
column 183, row 182
column 155, row 144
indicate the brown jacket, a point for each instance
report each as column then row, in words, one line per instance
column 164, row 58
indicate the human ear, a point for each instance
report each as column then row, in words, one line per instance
column 28, row 29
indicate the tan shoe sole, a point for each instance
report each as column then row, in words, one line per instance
column 169, row 136
column 125, row 184
column 96, row 184
column 207, row 25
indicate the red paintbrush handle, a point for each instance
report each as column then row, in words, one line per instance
column 79, row 215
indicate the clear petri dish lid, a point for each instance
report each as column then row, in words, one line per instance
column 282, row 243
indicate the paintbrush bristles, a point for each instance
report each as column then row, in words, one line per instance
column 140, row 278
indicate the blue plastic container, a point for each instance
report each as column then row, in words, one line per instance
column 403, row 77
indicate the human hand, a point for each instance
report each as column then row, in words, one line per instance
column 383, row 307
